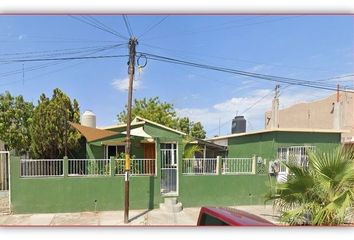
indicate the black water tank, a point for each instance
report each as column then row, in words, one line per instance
column 238, row 125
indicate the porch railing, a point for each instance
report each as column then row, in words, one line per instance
column 89, row 167
column 138, row 167
column 200, row 166
column 237, row 166
column 41, row 167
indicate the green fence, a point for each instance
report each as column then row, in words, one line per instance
column 104, row 190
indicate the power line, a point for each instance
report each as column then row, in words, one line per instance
column 66, row 58
column 153, row 26
column 127, row 25
column 223, row 28
column 50, row 72
column 55, row 52
column 96, row 26
column 94, row 20
column 291, row 81
column 37, row 67
column 233, row 59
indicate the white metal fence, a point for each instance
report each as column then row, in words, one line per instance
column 85, row 167
column 41, row 167
column 203, row 166
column 89, row 167
column 237, row 166
column 138, row 167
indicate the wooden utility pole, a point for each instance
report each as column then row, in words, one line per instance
column 131, row 70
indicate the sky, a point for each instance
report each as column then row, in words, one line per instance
column 293, row 46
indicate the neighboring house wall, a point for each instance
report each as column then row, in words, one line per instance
column 317, row 114
column 266, row 144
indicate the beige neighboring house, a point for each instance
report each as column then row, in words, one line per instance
column 322, row 114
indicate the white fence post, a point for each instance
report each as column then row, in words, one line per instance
column 218, row 165
column 254, row 161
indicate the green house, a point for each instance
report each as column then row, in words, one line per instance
column 279, row 144
column 226, row 171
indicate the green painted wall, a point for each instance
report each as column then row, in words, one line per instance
column 223, row 190
column 266, row 144
column 75, row 194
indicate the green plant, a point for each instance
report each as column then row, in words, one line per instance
column 120, row 165
column 96, row 168
column 321, row 194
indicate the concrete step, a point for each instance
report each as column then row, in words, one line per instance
column 170, row 201
column 171, row 209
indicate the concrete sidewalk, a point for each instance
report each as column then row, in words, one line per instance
column 187, row 217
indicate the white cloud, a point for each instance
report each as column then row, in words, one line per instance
column 122, row 84
column 225, row 111
column 20, row 37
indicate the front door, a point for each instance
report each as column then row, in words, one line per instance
column 169, row 163
column 149, row 158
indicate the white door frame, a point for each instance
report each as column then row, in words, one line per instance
column 176, row 164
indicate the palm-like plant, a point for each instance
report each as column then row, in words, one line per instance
column 322, row 194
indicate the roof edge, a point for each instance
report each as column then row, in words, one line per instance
column 308, row 130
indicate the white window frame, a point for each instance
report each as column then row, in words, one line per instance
column 106, row 149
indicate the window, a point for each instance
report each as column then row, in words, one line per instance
column 114, row 150
column 294, row 154
column 169, row 154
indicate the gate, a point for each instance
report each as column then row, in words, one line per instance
column 4, row 181
column 169, row 168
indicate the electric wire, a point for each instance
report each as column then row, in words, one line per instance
column 153, row 26
column 96, row 26
column 57, row 70
column 99, row 23
column 127, row 25
column 37, row 67
column 50, row 64
column 273, row 78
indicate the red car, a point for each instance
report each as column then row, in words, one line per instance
column 214, row 216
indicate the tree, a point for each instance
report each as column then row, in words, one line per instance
column 152, row 109
column 162, row 113
column 15, row 119
column 197, row 130
column 321, row 194
column 48, row 128
column 184, row 125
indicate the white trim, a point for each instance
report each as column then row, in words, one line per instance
column 177, row 168
column 157, row 124
column 120, row 125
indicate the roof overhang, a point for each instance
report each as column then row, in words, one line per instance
column 93, row 134
column 208, row 144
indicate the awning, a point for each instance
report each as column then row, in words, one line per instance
column 138, row 132
column 92, row 134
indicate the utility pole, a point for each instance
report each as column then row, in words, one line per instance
column 275, row 108
column 131, row 70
